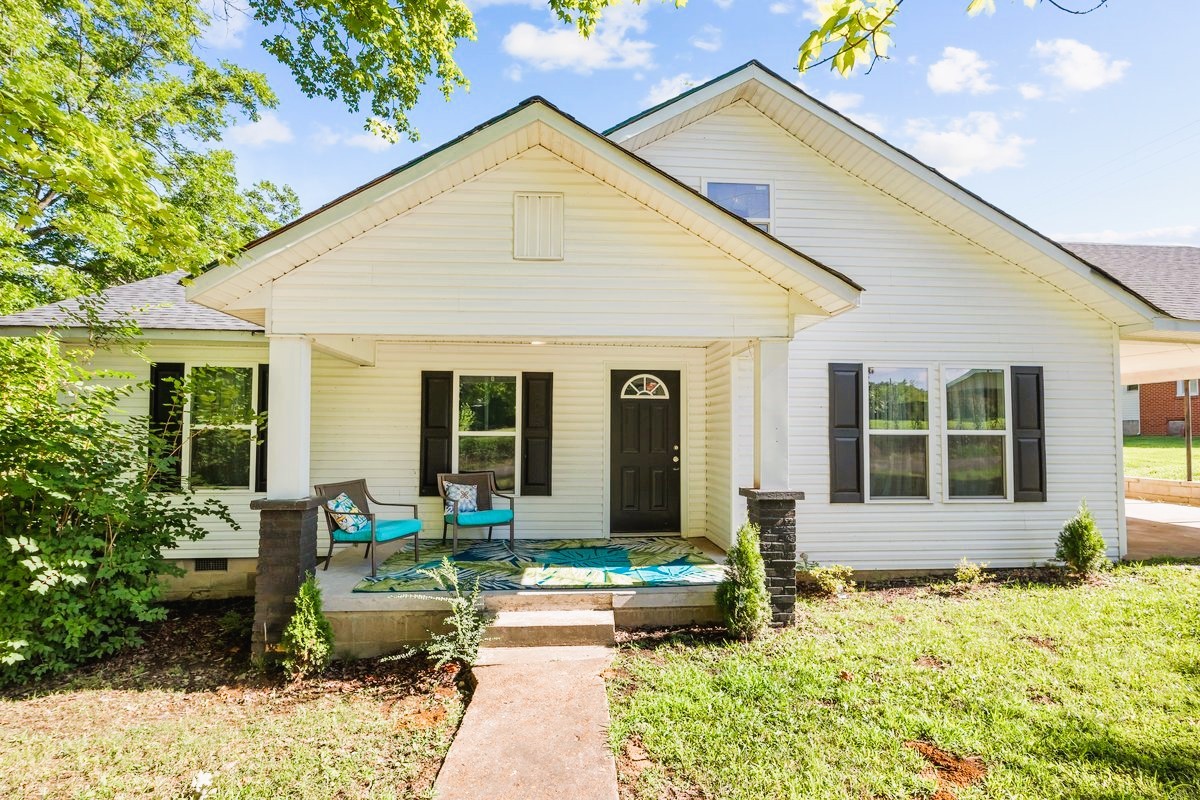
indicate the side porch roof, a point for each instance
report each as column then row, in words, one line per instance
column 238, row 288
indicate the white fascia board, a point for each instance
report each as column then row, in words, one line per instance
column 898, row 159
column 75, row 334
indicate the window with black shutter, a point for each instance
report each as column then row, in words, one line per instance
column 437, row 428
column 1029, row 434
column 166, row 422
column 537, row 413
column 845, row 433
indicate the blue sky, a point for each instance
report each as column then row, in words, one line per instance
column 1082, row 126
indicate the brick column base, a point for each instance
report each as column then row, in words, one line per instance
column 774, row 512
column 287, row 552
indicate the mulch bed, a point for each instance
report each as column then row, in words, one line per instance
column 204, row 646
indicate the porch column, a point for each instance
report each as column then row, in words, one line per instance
column 771, row 414
column 770, row 504
column 288, row 417
column 287, row 542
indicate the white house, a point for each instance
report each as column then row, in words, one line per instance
column 795, row 303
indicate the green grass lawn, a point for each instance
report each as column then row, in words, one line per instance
column 1063, row 692
column 1158, row 457
column 148, row 722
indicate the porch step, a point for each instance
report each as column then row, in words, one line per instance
column 542, row 600
column 499, row 656
column 551, row 628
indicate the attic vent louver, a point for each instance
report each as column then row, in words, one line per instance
column 538, row 226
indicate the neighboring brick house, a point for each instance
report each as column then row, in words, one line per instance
column 1161, row 407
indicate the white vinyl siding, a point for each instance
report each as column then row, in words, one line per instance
column 365, row 423
column 446, row 269
column 932, row 297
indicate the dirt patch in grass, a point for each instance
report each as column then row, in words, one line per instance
column 1044, row 642
column 639, row 777
column 947, row 768
column 186, row 701
column 930, row 662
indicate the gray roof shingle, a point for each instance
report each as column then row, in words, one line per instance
column 1167, row 276
column 156, row 303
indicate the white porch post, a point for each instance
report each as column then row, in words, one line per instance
column 771, row 414
column 290, row 402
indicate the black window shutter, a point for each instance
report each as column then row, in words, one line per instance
column 166, row 418
column 537, row 413
column 260, row 449
column 1029, row 435
column 845, row 433
column 437, row 405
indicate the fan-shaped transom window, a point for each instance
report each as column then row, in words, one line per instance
column 644, row 387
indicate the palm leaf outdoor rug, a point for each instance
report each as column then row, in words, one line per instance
column 552, row 564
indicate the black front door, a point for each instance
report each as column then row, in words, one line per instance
column 645, row 451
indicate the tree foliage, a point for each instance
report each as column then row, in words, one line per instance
column 308, row 638
column 82, row 532
column 1081, row 546
column 860, row 31
column 107, row 174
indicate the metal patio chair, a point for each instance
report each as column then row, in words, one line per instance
column 485, row 515
column 379, row 531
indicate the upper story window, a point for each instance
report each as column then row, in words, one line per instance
column 750, row 201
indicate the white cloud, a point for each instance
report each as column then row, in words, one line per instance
column 513, row 72
column 970, row 144
column 813, row 11
column 723, row 3
column 611, row 46
column 708, row 39
column 667, row 88
column 1171, row 234
column 228, row 20
column 1030, row 91
column 1077, row 67
column 780, row 8
column 960, row 70
column 324, row 137
column 267, row 129
column 843, row 101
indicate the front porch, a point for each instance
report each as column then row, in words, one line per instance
column 369, row 622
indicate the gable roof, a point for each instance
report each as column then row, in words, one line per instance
column 872, row 159
column 156, row 303
column 1167, row 276
column 535, row 122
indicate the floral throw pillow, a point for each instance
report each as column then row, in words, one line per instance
column 467, row 496
column 346, row 515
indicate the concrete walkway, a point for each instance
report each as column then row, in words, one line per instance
column 536, row 727
column 1162, row 529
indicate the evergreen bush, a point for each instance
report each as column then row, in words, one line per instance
column 308, row 638
column 742, row 596
column 1080, row 544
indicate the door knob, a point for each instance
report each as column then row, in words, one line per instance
column 675, row 459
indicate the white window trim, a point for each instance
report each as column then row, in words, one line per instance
column 868, row 432
column 185, row 453
column 1007, row 434
column 472, row 373
column 1195, row 385
column 769, row 220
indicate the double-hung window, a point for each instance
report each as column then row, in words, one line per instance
column 1193, row 388
column 898, row 432
column 976, row 433
column 750, row 201
column 220, row 436
column 486, row 436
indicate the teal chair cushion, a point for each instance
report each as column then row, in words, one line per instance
column 478, row 519
column 385, row 531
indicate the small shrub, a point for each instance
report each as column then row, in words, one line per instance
column 834, row 579
column 308, row 638
column 467, row 622
column 742, row 596
column 1080, row 545
column 968, row 573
